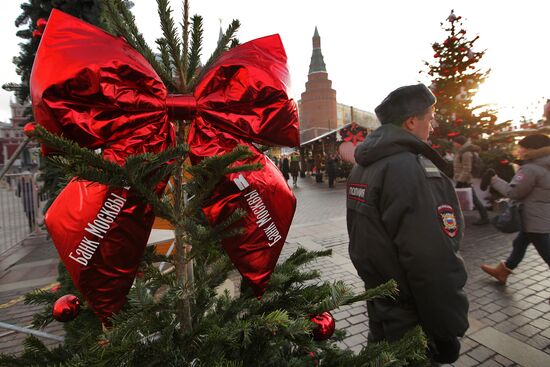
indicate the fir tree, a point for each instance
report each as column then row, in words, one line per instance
column 176, row 317
column 456, row 78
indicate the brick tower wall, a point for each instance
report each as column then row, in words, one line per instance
column 317, row 107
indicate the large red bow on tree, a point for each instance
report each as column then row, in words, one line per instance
column 95, row 89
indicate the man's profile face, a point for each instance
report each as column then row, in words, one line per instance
column 421, row 126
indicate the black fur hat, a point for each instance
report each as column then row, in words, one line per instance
column 535, row 141
column 404, row 102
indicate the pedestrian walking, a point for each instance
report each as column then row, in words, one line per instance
column 332, row 166
column 294, row 168
column 25, row 192
column 310, row 165
column 463, row 164
column 318, row 169
column 285, row 168
column 531, row 188
column 405, row 223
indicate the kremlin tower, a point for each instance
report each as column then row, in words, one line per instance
column 317, row 106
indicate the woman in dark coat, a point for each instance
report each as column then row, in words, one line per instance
column 331, row 166
column 285, row 168
column 295, row 168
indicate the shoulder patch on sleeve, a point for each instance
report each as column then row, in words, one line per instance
column 448, row 220
column 430, row 169
column 357, row 192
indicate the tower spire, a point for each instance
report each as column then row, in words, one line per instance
column 220, row 35
column 317, row 64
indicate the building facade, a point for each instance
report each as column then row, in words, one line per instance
column 347, row 114
column 11, row 136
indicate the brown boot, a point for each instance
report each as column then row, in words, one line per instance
column 499, row 272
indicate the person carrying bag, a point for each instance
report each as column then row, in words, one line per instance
column 531, row 188
column 509, row 218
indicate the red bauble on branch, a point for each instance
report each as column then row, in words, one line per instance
column 41, row 24
column 66, row 308
column 325, row 326
column 29, row 128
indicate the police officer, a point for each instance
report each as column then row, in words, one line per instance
column 405, row 223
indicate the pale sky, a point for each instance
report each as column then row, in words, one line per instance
column 369, row 47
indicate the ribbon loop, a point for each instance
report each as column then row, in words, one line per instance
column 181, row 106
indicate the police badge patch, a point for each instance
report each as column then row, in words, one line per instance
column 448, row 220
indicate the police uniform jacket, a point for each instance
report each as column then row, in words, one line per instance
column 405, row 223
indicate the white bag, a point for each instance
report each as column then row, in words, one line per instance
column 465, row 198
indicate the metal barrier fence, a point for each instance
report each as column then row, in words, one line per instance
column 20, row 209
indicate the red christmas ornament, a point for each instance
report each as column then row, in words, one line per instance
column 436, row 146
column 453, row 134
column 66, row 308
column 325, row 326
column 436, row 55
column 504, row 162
column 107, row 96
column 29, row 128
column 36, row 33
column 41, row 24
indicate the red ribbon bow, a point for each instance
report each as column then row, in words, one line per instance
column 95, row 89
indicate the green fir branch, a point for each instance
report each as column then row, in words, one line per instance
column 339, row 294
column 234, row 43
column 172, row 40
column 80, row 162
column 410, row 350
column 195, row 50
column 164, row 54
column 302, row 256
column 386, row 290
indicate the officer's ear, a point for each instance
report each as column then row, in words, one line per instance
column 409, row 124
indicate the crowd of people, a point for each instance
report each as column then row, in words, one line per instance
column 293, row 166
